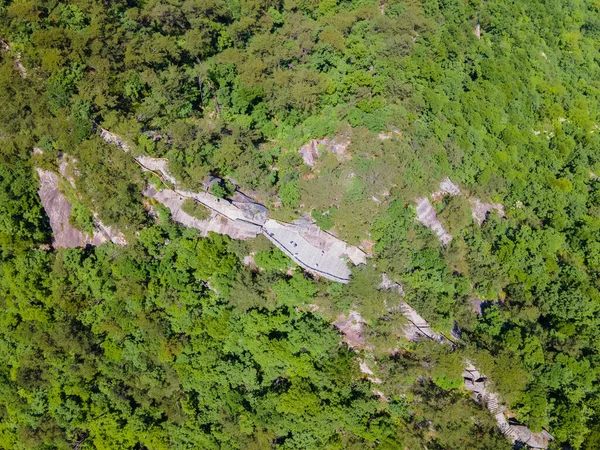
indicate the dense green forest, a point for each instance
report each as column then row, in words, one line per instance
column 171, row 342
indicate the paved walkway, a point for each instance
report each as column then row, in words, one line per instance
column 216, row 223
column 305, row 243
column 329, row 259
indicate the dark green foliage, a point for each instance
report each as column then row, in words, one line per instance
column 222, row 189
column 455, row 214
column 82, row 124
column 22, row 220
column 134, row 339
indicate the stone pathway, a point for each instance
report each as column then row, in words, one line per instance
column 474, row 381
column 305, row 243
column 477, row 383
column 314, row 249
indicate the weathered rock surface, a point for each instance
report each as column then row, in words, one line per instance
column 110, row 233
column 447, row 187
column 217, row 223
column 428, row 217
column 418, row 327
column 58, row 209
column 159, row 165
column 351, row 327
column 310, row 152
column 68, row 170
column 254, row 210
column 111, row 138
column 242, row 218
column 481, row 210
column 314, row 249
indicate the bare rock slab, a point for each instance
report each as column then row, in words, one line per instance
column 428, row 217
column 58, row 209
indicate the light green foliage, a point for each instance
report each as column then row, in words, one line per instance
column 195, row 209
column 81, row 218
column 222, row 189
column 323, row 218
column 289, row 193
column 110, row 184
column 273, row 259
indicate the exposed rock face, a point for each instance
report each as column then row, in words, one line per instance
column 310, row 152
column 236, row 229
column 447, row 187
column 112, row 138
column 389, row 285
column 314, row 249
column 257, row 211
column 477, row 305
column 428, row 217
column 481, row 210
column 243, row 218
column 159, row 165
column 110, row 233
column 58, row 209
column 17, row 60
column 67, row 170
column 532, row 440
column 249, row 260
column 418, row 327
column 351, row 327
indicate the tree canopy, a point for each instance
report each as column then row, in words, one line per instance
column 173, row 341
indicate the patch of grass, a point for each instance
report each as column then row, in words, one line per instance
column 195, row 209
